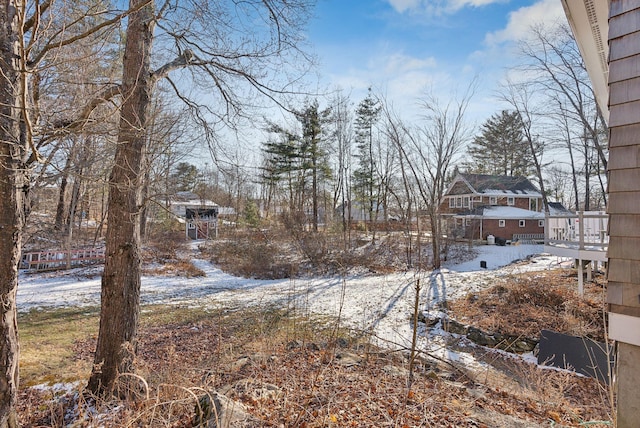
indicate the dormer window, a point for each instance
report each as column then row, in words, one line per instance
column 533, row 204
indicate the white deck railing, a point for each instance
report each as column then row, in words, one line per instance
column 583, row 230
column 582, row 236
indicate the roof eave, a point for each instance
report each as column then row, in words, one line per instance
column 589, row 22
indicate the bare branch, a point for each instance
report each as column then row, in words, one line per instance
column 58, row 44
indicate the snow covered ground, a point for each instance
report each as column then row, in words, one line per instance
column 381, row 304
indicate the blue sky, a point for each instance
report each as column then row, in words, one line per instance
column 402, row 47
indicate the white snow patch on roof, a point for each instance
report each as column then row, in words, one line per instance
column 502, row 212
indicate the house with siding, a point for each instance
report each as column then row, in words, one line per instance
column 608, row 35
column 476, row 206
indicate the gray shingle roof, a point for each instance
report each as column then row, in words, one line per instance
column 508, row 184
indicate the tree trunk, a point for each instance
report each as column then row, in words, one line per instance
column 13, row 188
column 119, row 313
column 314, row 191
column 435, row 238
column 61, row 210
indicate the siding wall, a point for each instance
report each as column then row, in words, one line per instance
column 624, row 158
column 623, row 289
column 512, row 227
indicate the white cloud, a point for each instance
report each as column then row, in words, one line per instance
column 521, row 20
column 436, row 7
column 399, row 76
column 400, row 64
column 403, row 5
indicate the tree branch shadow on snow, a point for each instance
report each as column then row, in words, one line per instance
column 436, row 291
column 391, row 303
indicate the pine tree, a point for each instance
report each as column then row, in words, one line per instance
column 501, row 147
column 313, row 151
column 364, row 176
column 298, row 157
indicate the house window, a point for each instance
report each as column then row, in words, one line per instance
column 502, row 223
column 521, row 223
column 540, row 223
column 191, row 225
column 452, row 202
column 533, row 204
column 459, row 202
column 468, row 222
column 465, row 202
column 511, row 200
column 493, row 200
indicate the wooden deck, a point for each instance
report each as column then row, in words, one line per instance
column 61, row 259
column 583, row 237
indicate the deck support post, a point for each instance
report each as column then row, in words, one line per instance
column 580, row 278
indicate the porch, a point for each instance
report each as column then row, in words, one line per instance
column 582, row 236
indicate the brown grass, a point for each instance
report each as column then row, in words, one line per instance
column 276, row 253
column 527, row 303
column 184, row 352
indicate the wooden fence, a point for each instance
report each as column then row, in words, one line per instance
column 61, row 259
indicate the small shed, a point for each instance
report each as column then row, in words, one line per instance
column 201, row 223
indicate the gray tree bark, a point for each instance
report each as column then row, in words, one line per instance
column 14, row 185
column 120, row 308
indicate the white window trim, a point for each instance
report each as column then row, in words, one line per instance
column 511, row 201
column 465, row 202
column 502, row 223
column 540, row 223
column 533, row 201
column 493, row 200
column 459, row 202
column 522, row 223
column 452, row 202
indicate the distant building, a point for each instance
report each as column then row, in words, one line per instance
column 200, row 216
column 476, row 206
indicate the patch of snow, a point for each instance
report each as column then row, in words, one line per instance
column 381, row 305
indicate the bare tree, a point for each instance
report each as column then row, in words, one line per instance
column 441, row 138
column 556, row 72
column 397, row 134
column 119, row 310
column 519, row 97
column 343, row 139
column 431, row 151
column 211, row 41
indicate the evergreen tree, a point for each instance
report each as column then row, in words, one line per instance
column 364, row 176
column 185, row 177
column 251, row 214
column 315, row 156
column 501, row 147
column 300, row 157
